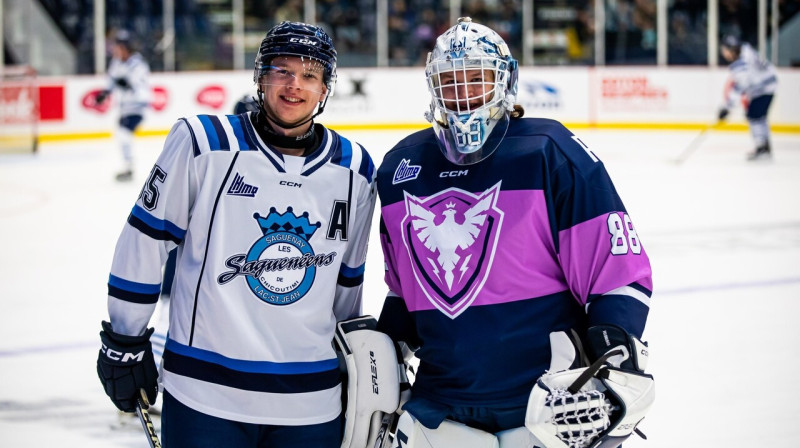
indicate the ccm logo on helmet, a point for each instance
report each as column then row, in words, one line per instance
column 303, row 41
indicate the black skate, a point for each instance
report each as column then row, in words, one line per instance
column 124, row 176
column 763, row 152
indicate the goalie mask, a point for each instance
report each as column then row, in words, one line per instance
column 308, row 42
column 472, row 79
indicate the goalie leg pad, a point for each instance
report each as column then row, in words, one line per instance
column 373, row 380
column 518, row 438
column 412, row 434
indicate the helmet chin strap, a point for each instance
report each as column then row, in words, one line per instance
column 281, row 123
column 279, row 140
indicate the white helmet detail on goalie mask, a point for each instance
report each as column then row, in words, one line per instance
column 472, row 79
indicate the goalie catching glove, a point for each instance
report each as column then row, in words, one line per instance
column 599, row 406
column 125, row 365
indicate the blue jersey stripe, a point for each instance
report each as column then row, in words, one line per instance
column 347, row 271
column 367, row 168
column 217, row 139
column 143, row 293
column 202, row 370
column 346, row 149
column 133, row 297
column 213, row 141
column 279, row 368
column 350, row 277
column 159, row 229
column 236, row 124
column 127, row 285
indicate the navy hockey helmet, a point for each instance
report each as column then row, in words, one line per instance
column 298, row 39
column 732, row 42
column 124, row 38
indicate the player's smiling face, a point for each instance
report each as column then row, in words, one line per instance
column 293, row 87
column 466, row 90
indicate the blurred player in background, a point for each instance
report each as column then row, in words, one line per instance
column 754, row 80
column 270, row 213
column 128, row 78
column 504, row 237
column 247, row 103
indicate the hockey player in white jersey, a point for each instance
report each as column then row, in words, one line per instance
column 753, row 80
column 507, row 249
column 270, row 213
column 128, row 78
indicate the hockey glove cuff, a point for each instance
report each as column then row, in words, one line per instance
column 125, row 364
column 630, row 390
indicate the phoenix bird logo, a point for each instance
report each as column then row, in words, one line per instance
column 451, row 238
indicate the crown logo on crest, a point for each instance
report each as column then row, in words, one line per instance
column 286, row 222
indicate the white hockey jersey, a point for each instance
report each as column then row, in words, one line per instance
column 750, row 77
column 134, row 94
column 271, row 252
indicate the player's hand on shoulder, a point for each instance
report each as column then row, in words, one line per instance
column 125, row 364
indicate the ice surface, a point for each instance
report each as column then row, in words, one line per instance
column 723, row 236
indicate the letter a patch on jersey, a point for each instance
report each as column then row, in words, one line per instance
column 451, row 238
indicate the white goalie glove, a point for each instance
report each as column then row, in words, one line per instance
column 591, row 407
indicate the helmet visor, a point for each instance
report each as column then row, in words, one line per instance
column 299, row 72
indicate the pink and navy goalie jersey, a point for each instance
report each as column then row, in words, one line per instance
column 484, row 261
column 271, row 252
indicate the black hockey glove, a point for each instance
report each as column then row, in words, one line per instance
column 125, row 364
column 101, row 96
column 122, row 83
column 723, row 114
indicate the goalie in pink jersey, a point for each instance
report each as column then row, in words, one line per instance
column 515, row 273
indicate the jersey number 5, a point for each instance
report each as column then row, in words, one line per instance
column 623, row 235
column 149, row 194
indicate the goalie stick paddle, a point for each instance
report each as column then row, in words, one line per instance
column 141, row 410
column 695, row 143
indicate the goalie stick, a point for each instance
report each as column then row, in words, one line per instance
column 141, row 410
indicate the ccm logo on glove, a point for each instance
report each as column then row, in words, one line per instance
column 122, row 357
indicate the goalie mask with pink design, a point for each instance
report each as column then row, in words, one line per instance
column 472, row 79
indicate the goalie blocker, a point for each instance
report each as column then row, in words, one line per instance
column 375, row 375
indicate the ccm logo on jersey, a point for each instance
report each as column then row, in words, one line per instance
column 290, row 184
column 445, row 174
column 122, row 357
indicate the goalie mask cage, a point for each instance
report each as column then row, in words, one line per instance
column 19, row 110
